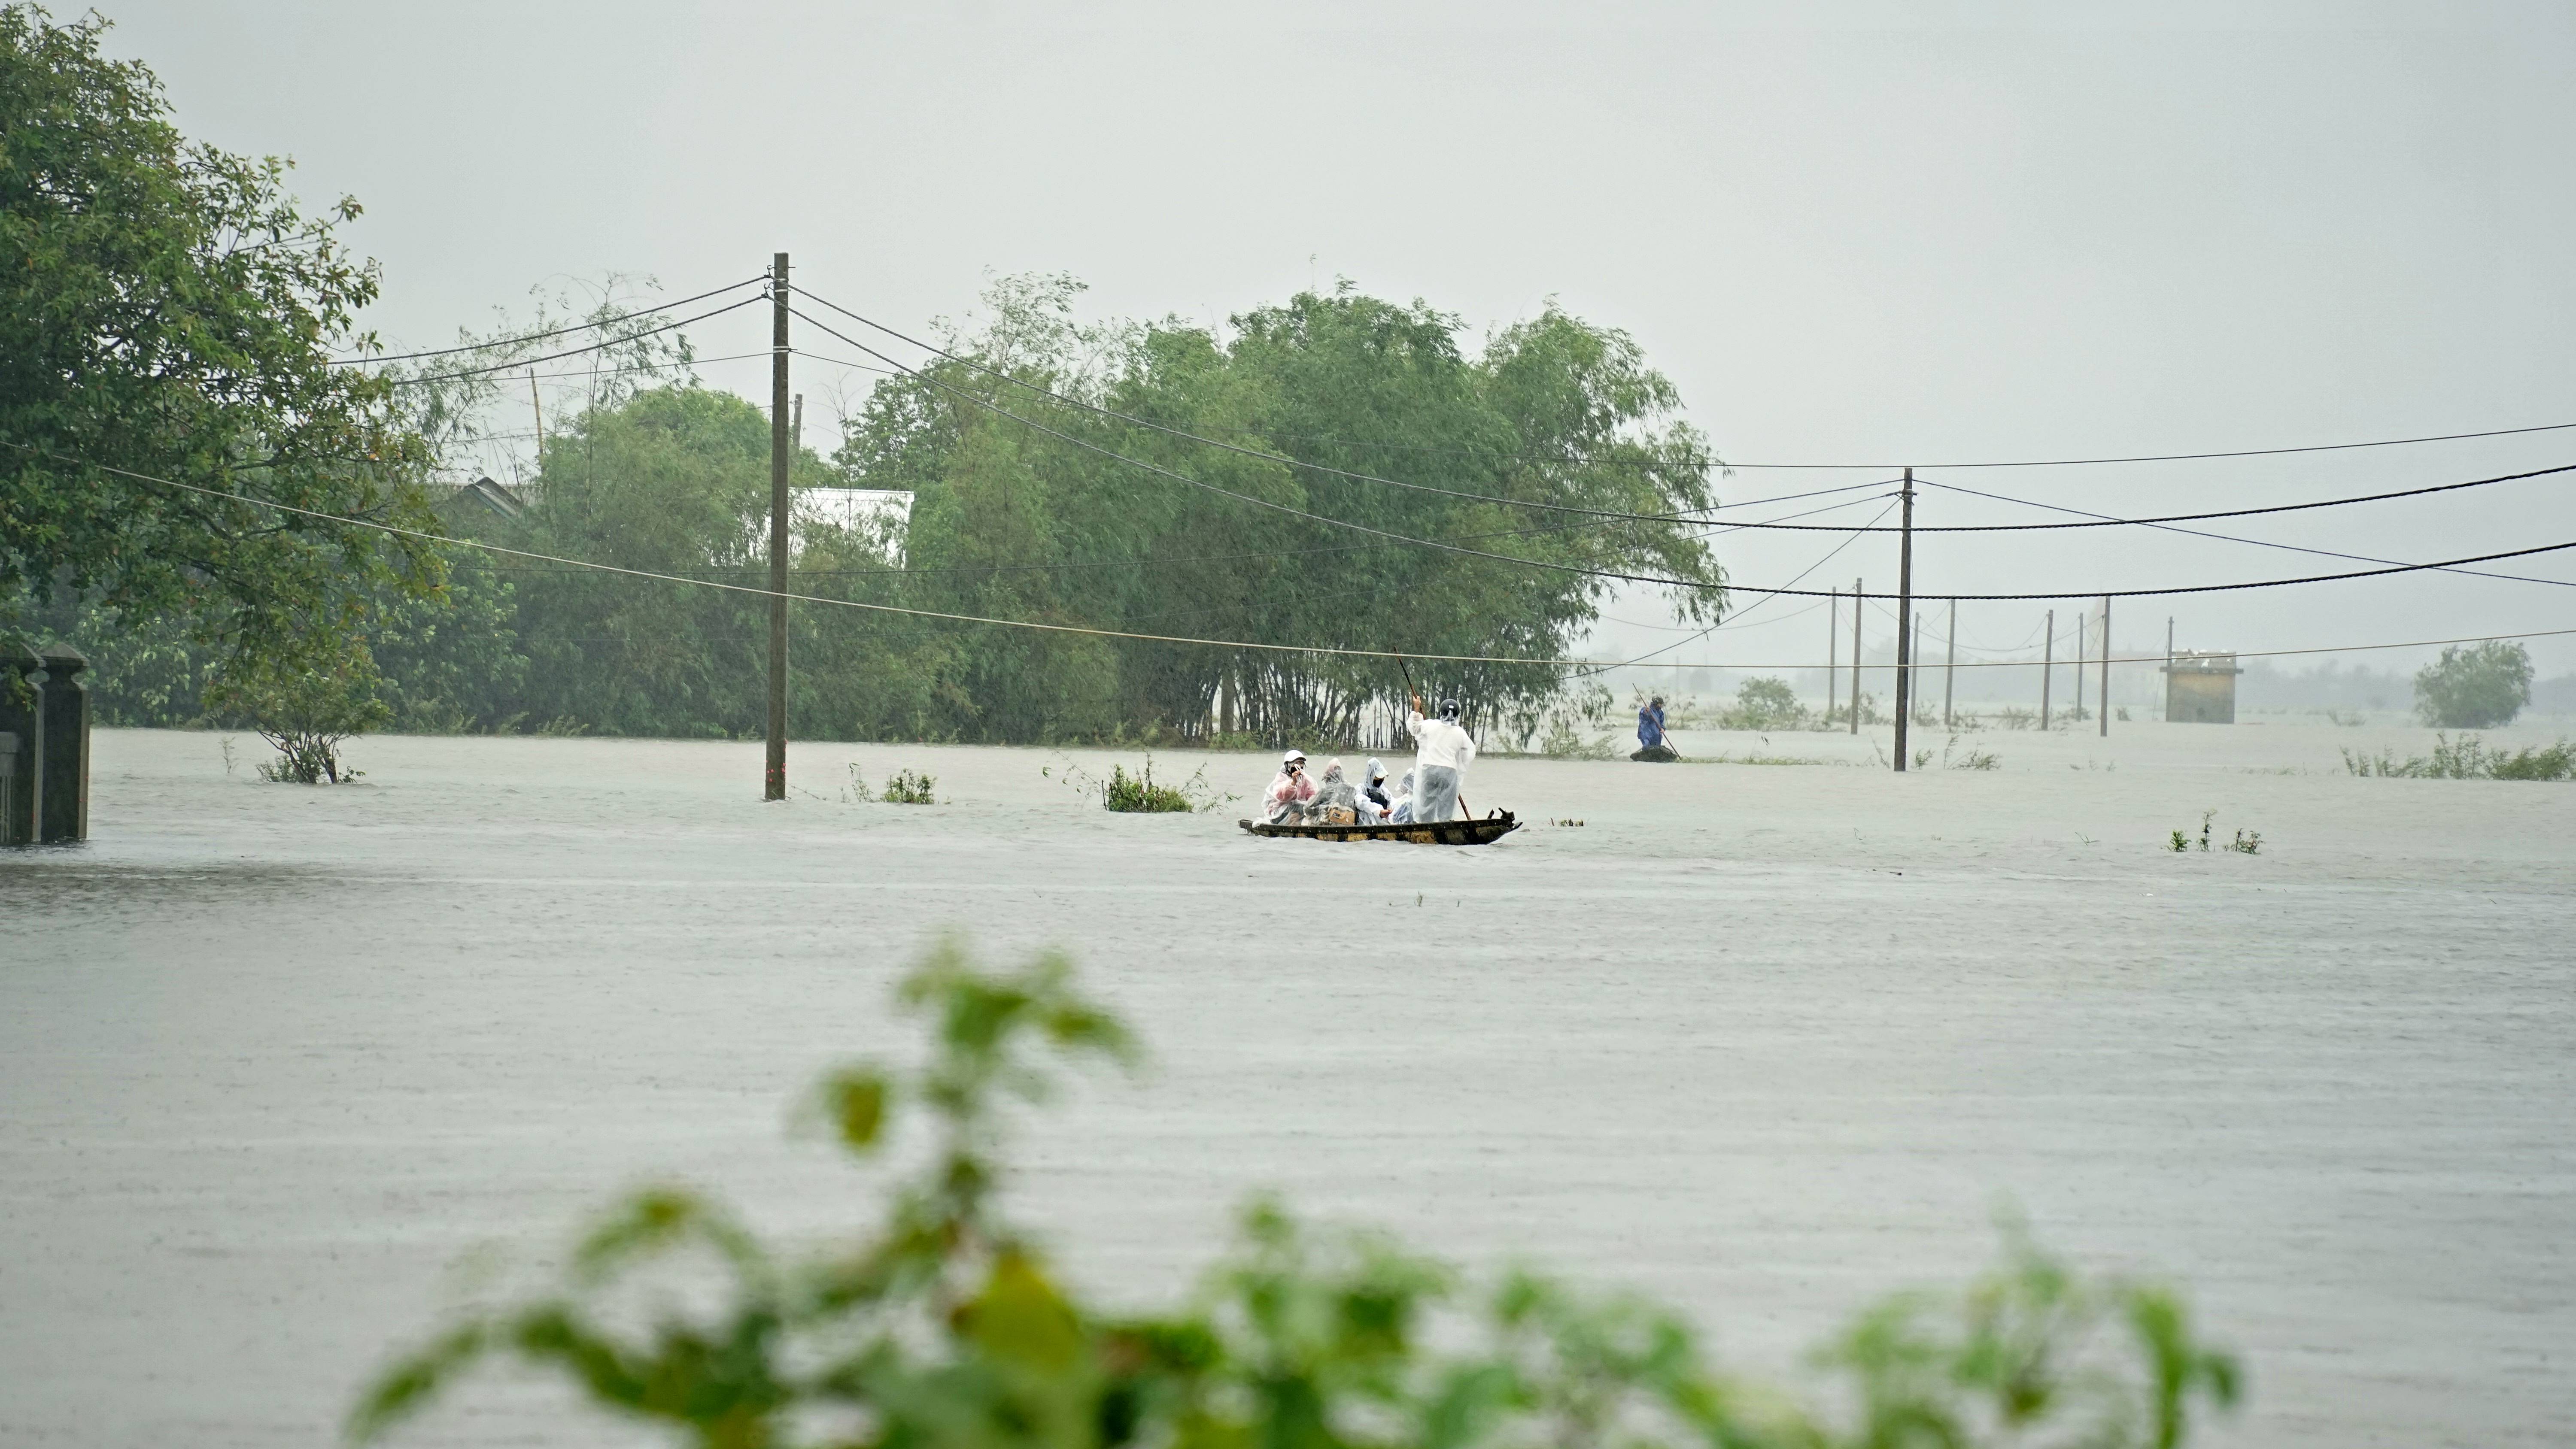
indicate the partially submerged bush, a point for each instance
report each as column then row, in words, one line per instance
column 1140, row 793
column 945, row 1327
column 903, row 787
column 2469, row 758
column 305, row 702
column 1764, row 704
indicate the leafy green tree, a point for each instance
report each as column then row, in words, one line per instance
column 167, row 309
column 1765, row 704
column 945, row 1327
column 2476, row 687
column 1010, row 522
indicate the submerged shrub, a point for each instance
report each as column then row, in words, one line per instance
column 2469, row 758
column 945, row 1326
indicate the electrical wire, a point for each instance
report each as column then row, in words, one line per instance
column 2181, row 457
column 1263, row 454
column 2231, row 538
column 2015, row 463
column 541, row 336
column 2098, row 520
column 1594, row 664
column 1665, row 582
column 571, row 351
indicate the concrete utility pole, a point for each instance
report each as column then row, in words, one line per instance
column 2167, row 712
column 1856, row 608
column 1833, row 643
column 781, row 448
column 2106, row 666
column 1950, row 672
column 1904, row 607
column 2047, row 668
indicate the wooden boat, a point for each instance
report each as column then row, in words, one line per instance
column 1447, row 832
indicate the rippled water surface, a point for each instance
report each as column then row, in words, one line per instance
column 1764, row 1040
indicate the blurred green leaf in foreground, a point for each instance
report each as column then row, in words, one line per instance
column 943, row 1327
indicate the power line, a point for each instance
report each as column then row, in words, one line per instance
column 1719, row 462
column 541, row 336
column 572, row 351
column 2098, row 520
column 2183, row 457
column 398, row 531
column 1160, row 471
column 2229, row 538
column 1264, row 454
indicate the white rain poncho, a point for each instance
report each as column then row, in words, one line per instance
column 1440, row 767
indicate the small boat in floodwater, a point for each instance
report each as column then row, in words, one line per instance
column 1446, row 832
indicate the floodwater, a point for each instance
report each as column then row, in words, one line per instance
column 1765, row 1041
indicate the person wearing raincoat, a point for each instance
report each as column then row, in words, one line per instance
column 1285, row 802
column 1444, row 749
column 1334, row 793
column 1374, row 803
column 1400, row 812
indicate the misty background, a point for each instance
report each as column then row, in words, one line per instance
column 1870, row 234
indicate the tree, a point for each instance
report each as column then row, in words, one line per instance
column 168, row 310
column 305, row 701
column 2474, row 688
column 1010, row 521
column 945, row 1327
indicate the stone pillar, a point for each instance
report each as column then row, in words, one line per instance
column 64, row 762
column 44, row 735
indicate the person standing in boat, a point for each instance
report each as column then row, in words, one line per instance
column 1650, row 724
column 1443, row 751
column 1285, row 802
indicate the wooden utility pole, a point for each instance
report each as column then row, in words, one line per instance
column 1950, row 671
column 1904, row 607
column 2106, row 666
column 1833, row 643
column 1855, row 700
column 2047, row 668
column 781, row 448
column 537, row 406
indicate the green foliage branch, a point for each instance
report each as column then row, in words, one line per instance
column 168, row 309
column 946, row 1327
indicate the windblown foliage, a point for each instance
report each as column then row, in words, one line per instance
column 167, row 309
column 945, row 1327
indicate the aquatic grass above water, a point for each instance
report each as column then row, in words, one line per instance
column 945, row 1325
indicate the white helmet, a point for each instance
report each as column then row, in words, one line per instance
column 1293, row 757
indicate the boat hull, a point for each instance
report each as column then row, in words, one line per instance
column 1447, row 832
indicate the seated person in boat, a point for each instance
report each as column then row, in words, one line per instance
column 1444, row 751
column 1286, row 800
column 1399, row 810
column 1337, row 800
column 1374, row 801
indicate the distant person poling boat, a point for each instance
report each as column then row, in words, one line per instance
column 1652, row 744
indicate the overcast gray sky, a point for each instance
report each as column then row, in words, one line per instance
column 1873, row 232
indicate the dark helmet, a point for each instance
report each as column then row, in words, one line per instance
column 1448, row 709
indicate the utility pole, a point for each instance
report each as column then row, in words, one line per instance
column 1856, row 608
column 796, row 425
column 539, row 408
column 1950, row 671
column 2047, row 668
column 2106, row 666
column 1904, row 607
column 781, row 448
column 1833, row 642
column 2166, row 713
